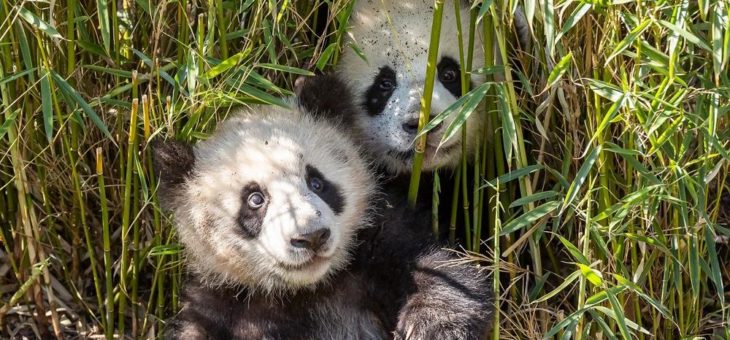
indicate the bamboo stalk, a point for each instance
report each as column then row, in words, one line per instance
column 425, row 113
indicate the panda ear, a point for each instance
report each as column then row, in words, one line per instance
column 326, row 96
column 173, row 162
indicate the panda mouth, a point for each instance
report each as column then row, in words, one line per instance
column 405, row 156
column 313, row 262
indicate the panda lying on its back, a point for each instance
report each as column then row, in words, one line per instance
column 274, row 213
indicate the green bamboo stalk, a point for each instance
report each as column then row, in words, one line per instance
column 425, row 113
column 106, row 234
column 221, row 28
column 586, row 251
column 464, row 167
column 454, row 206
column 496, row 258
column 126, row 213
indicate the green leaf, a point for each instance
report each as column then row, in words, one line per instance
column 38, row 23
column 102, row 12
column 581, row 177
column 513, row 175
column 573, row 19
column 9, row 120
column 630, row 38
column 226, row 64
column 533, row 198
column 72, row 94
column 286, row 69
column 605, row 90
column 483, row 9
column 568, row 280
column 559, row 70
column 509, row 129
column 529, row 217
column 573, row 250
column 715, row 273
column 687, row 35
column 473, row 99
column 16, row 76
column 324, row 58
column 569, row 323
column 461, row 105
column 47, row 106
column 593, row 276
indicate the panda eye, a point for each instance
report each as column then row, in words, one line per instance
column 386, row 84
column 256, row 200
column 316, row 184
column 448, row 75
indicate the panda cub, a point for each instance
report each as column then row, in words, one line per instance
column 393, row 37
column 277, row 212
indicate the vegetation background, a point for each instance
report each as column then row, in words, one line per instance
column 604, row 170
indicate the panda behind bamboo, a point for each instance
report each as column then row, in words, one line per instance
column 275, row 213
column 394, row 37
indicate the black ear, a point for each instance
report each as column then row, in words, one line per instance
column 173, row 162
column 326, row 96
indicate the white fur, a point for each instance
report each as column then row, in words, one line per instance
column 397, row 34
column 270, row 146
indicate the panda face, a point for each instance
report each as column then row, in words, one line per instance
column 272, row 202
column 388, row 85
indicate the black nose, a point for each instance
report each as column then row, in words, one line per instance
column 312, row 241
column 411, row 126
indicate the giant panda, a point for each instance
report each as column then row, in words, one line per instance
column 386, row 73
column 281, row 222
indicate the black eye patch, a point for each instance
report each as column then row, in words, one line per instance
column 380, row 90
column 250, row 220
column 447, row 69
column 329, row 192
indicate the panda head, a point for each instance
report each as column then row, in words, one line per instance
column 387, row 86
column 270, row 202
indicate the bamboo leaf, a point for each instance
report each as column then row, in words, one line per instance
column 573, row 250
column 533, row 198
column 629, row 40
column 686, row 34
column 593, row 276
column 580, row 178
column 72, row 94
column 286, row 69
column 513, row 175
column 9, row 120
column 102, row 13
column 568, row 280
column 529, row 217
column 559, row 70
column 47, row 106
column 38, row 23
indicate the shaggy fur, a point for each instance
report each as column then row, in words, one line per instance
column 383, row 278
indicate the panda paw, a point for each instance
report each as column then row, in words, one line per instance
column 428, row 324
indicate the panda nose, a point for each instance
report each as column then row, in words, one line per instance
column 411, row 126
column 312, row 241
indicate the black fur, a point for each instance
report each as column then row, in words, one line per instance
column 379, row 92
column 326, row 96
column 448, row 64
column 173, row 163
column 252, row 219
column 330, row 194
